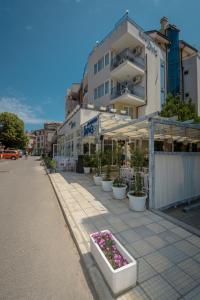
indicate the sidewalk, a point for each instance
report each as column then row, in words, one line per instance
column 168, row 256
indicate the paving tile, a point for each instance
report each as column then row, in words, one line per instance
column 121, row 239
column 181, row 232
column 195, row 240
column 119, row 210
column 135, row 294
column 158, row 261
column 156, row 242
column 145, row 271
column 157, row 228
column 194, row 294
column 135, row 222
column 197, row 257
column 143, row 231
column 158, row 289
column 191, row 267
column 182, row 282
column 187, row 247
column 173, row 254
column 169, row 236
column 116, row 223
column 132, row 251
column 167, row 224
column 130, row 236
column 142, row 247
column 155, row 217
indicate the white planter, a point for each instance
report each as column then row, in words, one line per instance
column 119, row 279
column 107, row 185
column 86, row 170
column 137, row 203
column 97, row 179
column 119, row 193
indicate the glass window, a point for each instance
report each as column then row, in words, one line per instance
column 100, row 90
column 100, row 64
column 106, row 87
column 95, row 68
column 107, row 59
column 95, row 94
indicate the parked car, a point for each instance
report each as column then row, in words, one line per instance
column 9, row 154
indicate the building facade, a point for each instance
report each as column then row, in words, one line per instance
column 44, row 138
column 130, row 72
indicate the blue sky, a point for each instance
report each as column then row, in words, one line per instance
column 44, row 46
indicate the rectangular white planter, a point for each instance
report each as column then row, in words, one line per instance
column 119, row 279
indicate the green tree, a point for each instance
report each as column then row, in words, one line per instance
column 183, row 109
column 12, row 131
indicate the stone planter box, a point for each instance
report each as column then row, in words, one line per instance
column 120, row 279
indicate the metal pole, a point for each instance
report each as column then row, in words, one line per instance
column 151, row 165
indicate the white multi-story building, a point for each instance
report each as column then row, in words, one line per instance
column 131, row 72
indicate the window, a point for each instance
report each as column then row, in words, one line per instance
column 162, row 82
column 95, row 94
column 187, row 95
column 100, row 64
column 95, row 68
column 107, row 59
column 106, row 87
column 100, row 90
column 186, row 72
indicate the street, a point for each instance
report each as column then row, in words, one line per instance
column 38, row 258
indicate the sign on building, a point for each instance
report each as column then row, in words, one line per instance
column 91, row 127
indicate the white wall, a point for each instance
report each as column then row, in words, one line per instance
column 153, row 67
column 190, row 79
column 177, row 177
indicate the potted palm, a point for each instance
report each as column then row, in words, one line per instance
column 98, row 176
column 137, row 198
column 118, row 187
column 86, row 164
column 107, row 181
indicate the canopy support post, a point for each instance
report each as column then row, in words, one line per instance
column 151, row 165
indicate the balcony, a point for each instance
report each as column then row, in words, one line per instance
column 128, row 94
column 127, row 64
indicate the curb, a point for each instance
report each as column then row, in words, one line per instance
column 93, row 276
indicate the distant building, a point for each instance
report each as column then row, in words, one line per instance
column 44, row 138
column 31, row 142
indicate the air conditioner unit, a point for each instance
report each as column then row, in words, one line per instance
column 137, row 51
column 137, row 79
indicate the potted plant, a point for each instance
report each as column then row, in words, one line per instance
column 119, row 189
column 52, row 165
column 86, row 164
column 118, row 267
column 137, row 198
column 107, row 181
column 98, row 176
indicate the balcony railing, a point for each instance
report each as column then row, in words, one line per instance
column 125, row 55
column 129, row 88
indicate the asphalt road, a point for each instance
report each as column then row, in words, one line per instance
column 38, row 259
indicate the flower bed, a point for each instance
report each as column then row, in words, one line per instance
column 108, row 247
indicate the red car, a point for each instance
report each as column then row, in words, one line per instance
column 9, row 154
